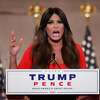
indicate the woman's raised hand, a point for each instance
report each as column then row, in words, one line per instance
column 14, row 45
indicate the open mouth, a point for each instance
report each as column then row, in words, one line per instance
column 56, row 33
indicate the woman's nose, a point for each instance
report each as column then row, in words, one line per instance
column 56, row 25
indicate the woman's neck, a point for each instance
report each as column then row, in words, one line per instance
column 56, row 45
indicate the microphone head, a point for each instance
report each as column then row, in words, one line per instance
column 52, row 59
column 53, row 56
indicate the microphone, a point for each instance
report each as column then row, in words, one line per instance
column 53, row 61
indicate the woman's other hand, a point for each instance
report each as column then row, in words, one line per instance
column 14, row 46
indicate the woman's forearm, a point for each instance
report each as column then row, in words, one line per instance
column 13, row 62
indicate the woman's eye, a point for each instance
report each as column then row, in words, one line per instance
column 49, row 22
column 60, row 21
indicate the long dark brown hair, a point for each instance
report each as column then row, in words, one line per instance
column 42, row 50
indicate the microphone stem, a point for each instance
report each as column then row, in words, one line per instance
column 53, row 61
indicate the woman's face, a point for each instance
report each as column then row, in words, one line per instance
column 55, row 28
